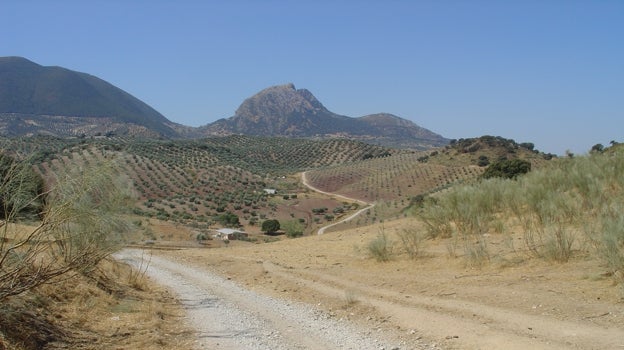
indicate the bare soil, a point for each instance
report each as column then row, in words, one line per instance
column 511, row 303
column 229, row 316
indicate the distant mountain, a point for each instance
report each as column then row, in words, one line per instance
column 35, row 100
column 286, row 111
column 52, row 100
column 395, row 131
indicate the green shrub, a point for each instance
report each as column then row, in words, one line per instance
column 229, row 220
column 381, row 247
column 270, row 226
column 293, row 228
column 483, row 161
column 507, row 168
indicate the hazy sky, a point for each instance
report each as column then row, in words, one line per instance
column 547, row 72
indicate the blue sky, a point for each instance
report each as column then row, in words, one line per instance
column 547, row 72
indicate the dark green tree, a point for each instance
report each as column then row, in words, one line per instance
column 483, row 161
column 507, row 168
column 229, row 220
column 597, row 148
column 270, row 226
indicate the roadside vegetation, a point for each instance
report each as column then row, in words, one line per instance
column 571, row 208
column 67, row 228
column 55, row 240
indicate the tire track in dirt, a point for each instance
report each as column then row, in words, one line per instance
column 467, row 324
column 228, row 316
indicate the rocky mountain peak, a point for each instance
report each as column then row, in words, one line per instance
column 284, row 110
column 280, row 100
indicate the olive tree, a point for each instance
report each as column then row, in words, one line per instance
column 270, row 226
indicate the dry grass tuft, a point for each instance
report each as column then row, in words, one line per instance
column 101, row 311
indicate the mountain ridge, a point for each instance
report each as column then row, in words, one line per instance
column 53, row 100
column 42, row 92
column 283, row 110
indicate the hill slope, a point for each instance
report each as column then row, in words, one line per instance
column 197, row 181
column 393, row 131
column 35, row 98
column 404, row 175
column 60, row 102
column 286, row 111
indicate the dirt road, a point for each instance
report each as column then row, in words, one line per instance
column 229, row 316
column 304, row 181
column 466, row 324
column 412, row 304
column 325, row 292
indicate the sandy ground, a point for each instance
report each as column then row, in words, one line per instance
column 530, row 304
column 435, row 301
column 229, row 316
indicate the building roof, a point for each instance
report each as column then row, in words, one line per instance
column 227, row 231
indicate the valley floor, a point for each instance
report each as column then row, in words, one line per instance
column 431, row 302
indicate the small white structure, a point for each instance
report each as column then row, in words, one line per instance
column 227, row 234
column 270, row 191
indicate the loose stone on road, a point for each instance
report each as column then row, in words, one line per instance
column 228, row 316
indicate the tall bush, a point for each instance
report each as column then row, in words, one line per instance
column 81, row 223
column 21, row 188
column 507, row 168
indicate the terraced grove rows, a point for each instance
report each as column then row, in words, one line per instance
column 195, row 181
column 397, row 176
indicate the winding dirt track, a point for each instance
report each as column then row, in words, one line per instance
column 304, row 180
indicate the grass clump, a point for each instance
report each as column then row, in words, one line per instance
column 350, row 298
column 381, row 247
column 412, row 241
column 611, row 245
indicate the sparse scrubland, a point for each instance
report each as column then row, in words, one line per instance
column 570, row 209
column 443, row 244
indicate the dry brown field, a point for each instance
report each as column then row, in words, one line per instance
column 511, row 302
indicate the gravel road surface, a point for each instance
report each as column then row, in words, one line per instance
column 228, row 316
